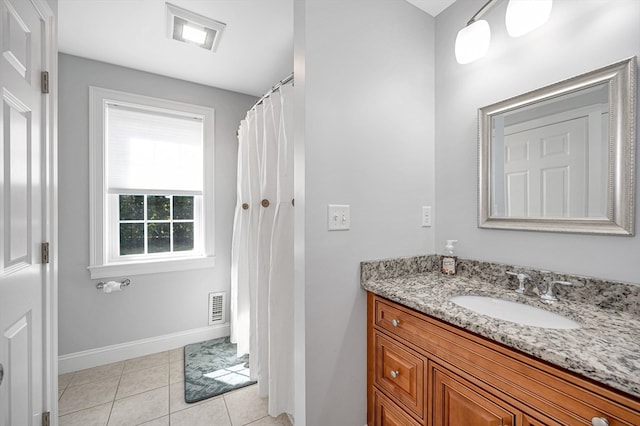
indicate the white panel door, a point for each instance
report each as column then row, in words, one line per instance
column 545, row 170
column 22, row 191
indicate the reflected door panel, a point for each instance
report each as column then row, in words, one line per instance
column 545, row 169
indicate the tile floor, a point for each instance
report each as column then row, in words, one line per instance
column 150, row 391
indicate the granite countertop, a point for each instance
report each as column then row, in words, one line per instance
column 606, row 349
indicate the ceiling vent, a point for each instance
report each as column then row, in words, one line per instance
column 188, row 27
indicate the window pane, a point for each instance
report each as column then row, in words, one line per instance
column 131, row 238
column 131, row 207
column 158, row 237
column 182, row 208
column 158, row 207
column 182, row 236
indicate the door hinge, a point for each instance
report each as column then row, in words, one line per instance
column 45, row 252
column 45, row 81
column 46, row 418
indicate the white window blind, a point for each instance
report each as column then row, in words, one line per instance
column 152, row 152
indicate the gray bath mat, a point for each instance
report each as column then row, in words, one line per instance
column 212, row 368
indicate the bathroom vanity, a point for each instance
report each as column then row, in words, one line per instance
column 432, row 362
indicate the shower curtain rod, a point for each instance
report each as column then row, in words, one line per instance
column 273, row 89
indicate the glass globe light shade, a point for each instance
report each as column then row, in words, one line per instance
column 473, row 42
column 524, row 16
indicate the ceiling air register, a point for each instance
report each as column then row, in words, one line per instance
column 189, row 27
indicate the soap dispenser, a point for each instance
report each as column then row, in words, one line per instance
column 449, row 259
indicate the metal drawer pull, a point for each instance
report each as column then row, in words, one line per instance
column 396, row 373
column 395, row 322
column 599, row 421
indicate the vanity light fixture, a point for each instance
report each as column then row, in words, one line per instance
column 189, row 27
column 473, row 41
column 523, row 16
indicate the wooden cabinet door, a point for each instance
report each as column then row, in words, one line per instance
column 456, row 402
column 389, row 414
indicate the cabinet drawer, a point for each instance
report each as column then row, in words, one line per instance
column 400, row 373
column 402, row 325
column 389, row 414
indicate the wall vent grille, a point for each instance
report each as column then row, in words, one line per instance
column 217, row 304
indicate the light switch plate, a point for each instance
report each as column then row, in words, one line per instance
column 426, row 216
column 338, row 217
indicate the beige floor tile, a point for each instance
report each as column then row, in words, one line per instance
column 162, row 421
column 211, row 412
column 176, row 372
column 140, row 408
column 60, row 392
column 176, row 355
column 281, row 420
column 143, row 380
column 64, row 380
column 245, row 406
column 176, row 398
column 97, row 373
column 95, row 416
column 147, row 361
column 76, row 398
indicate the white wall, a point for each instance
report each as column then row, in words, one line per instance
column 580, row 36
column 154, row 304
column 368, row 142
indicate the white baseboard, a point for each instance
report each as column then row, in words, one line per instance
column 123, row 351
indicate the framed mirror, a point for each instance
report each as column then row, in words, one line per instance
column 561, row 158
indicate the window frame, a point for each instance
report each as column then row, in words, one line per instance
column 103, row 211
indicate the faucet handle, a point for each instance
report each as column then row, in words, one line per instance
column 522, row 278
column 549, row 296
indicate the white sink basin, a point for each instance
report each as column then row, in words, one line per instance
column 515, row 312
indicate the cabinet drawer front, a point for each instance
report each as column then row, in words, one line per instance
column 400, row 324
column 388, row 413
column 400, row 373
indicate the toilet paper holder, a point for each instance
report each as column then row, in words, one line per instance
column 124, row 283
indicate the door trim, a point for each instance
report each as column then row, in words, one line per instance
column 50, row 213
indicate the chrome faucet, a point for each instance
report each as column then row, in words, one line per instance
column 522, row 278
column 549, row 296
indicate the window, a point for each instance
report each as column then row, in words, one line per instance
column 151, row 185
column 155, row 224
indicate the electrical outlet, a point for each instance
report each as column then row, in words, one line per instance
column 426, row 216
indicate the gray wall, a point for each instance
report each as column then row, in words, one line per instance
column 54, row 6
column 579, row 37
column 155, row 304
column 368, row 142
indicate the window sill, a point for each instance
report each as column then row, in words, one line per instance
column 150, row 267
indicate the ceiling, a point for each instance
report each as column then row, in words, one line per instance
column 432, row 7
column 255, row 51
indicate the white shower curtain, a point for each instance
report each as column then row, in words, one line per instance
column 262, row 248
